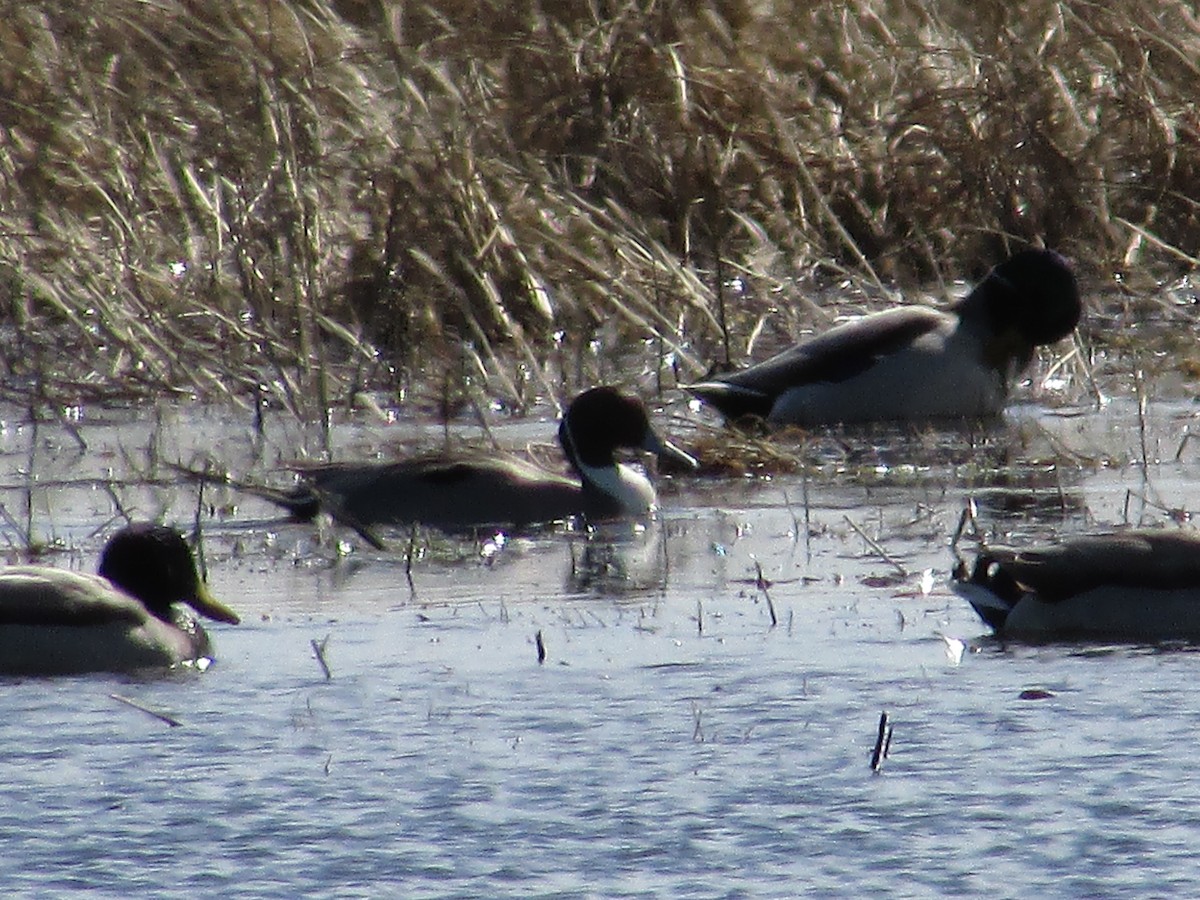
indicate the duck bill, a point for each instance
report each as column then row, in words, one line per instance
column 207, row 605
column 669, row 453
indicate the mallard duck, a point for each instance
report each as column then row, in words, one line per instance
column 914, row 363
column 467, row 491
column 1137, row 585
column 53, row 621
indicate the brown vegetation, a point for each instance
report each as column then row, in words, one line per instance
column 295, row 197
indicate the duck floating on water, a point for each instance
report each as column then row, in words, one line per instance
column 915, row 363
column 126, row 618
column 464, row 492
column 1137, row 585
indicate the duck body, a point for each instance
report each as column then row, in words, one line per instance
column 58, row 622
column 464, row 492
column 913, row 363
column 1138, row 585
column 454, row 493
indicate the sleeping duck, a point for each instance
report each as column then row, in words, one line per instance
column 1137, row 585
column 915, row 363
column 53, row 621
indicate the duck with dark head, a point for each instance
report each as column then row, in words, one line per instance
column 128, row 617
column 914, row 363
column 469, row 491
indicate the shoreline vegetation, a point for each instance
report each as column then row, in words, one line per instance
column 286, row 202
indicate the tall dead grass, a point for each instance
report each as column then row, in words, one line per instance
column 291, row 198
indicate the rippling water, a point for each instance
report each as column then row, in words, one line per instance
column 674, row 742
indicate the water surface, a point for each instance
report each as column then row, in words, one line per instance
column 693, row 730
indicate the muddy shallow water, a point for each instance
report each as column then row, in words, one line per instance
column 692, row 731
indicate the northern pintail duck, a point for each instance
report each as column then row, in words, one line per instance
column 463, row 492
column 914, row 363
column 1138, row 585
column 54, row 622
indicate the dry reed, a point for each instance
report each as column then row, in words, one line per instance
column 290, row 199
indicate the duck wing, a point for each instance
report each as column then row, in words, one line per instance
column 1161, row 560
column 837, row 355
column 56, row 622
column 449, row 493
column 38, row 595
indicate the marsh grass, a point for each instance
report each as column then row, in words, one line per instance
column 284, row 201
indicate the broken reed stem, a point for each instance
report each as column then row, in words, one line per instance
column 21, row 530
column 198, row 526
column 807, row 516
column 1082, row 360
column 883, row 554
column 150, row 711
column 261, row 399
column 57, row 410
column 27, row 487
column 1187, row 436
column 968, row 517
column 761, row 582
column 883, row 742
column 319, row 650
column 1176, row 514
column 787, row 502
column 660, row 347
column 721, row 317
column 408, row 560
column 1139, row 384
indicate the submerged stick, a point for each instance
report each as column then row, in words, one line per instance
column 408, row 560
column 198, row 531
column 1187, row 436
column 787, row 503
column 319, row 650
column 807, row 515
column 883, row 742
column 883, row 554
column 26, row 537
column 761, row 582
column 161, row 716
column 969, row 516
column 1139, row 384
column 721, row 317
column 1081, row 357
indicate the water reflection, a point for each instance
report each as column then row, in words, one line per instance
column 1048, row 493
column 614, row 560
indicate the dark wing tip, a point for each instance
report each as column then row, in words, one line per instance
column 733, row 401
